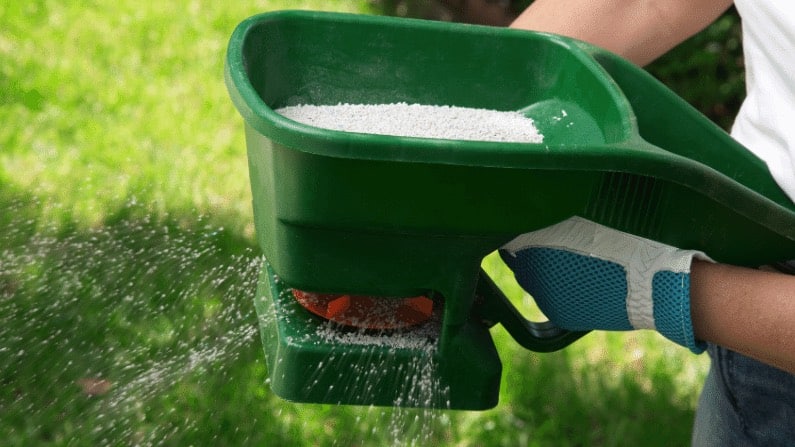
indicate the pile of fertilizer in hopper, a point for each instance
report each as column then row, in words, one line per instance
column 416, row 120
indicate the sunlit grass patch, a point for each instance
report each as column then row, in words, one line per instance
column 122, row 101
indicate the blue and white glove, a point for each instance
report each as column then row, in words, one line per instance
column 586, row 276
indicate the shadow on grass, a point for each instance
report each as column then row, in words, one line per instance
column 142, row 332
column 553, row 400
column 138, row 332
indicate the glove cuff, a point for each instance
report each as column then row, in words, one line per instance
column 672, row 319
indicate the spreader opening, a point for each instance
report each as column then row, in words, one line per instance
column 367, row 312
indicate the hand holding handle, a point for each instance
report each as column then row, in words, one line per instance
column 585, row 276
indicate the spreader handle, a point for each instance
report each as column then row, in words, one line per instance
column 494, row 307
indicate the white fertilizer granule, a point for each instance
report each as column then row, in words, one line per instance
column 416, row 120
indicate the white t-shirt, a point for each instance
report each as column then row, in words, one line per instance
column 766, row 121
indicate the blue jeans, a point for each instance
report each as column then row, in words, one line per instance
column 744, row 403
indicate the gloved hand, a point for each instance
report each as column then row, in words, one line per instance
column 586, row 276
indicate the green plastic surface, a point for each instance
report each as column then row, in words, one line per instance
column 306, row 364
column 342, row 212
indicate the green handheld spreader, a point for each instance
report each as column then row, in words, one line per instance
column 349, row 219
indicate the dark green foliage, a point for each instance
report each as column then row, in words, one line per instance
column 707, row 69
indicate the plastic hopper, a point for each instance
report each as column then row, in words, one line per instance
column 356, row 214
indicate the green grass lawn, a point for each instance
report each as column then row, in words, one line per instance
column 128, row 263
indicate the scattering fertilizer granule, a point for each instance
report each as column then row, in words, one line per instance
column 416, row 120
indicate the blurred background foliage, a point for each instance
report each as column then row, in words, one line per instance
column 706, row 70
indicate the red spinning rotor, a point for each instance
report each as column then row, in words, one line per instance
column 367, row 311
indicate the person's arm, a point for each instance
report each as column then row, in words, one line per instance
column 638, row 30
column 748, row 311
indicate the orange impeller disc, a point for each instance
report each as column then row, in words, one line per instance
column 367, row 311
